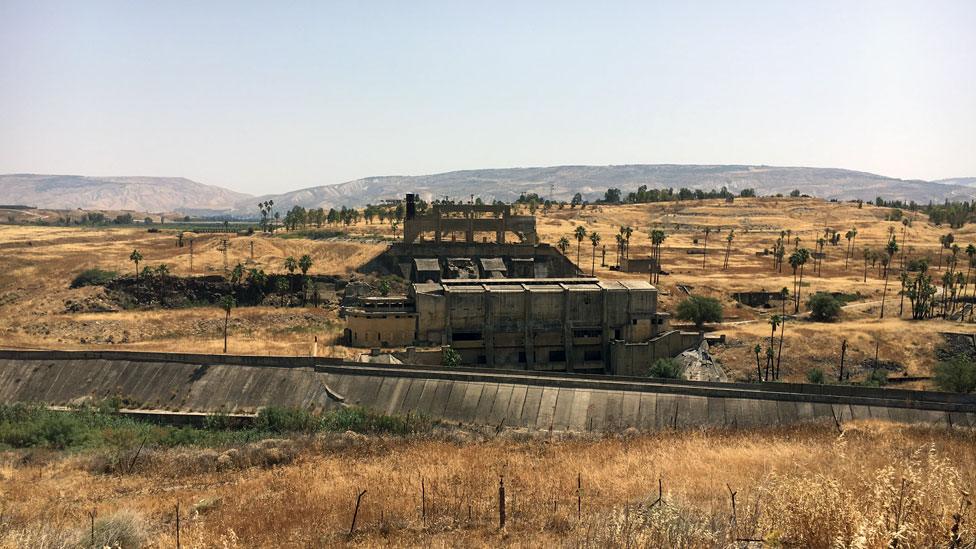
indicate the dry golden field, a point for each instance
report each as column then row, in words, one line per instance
column 874, row 485
column 38, row 263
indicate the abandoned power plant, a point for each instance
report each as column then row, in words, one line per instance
column 511, row 302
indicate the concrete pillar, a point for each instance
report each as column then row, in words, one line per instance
column 567, row 331
column 500, row 236
column 469, row 233
column 437, row 226
column 448, row 333
column 605, row 332
column 489, row 330
column 527, row 327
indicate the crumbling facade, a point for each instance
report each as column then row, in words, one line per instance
column 447, row 221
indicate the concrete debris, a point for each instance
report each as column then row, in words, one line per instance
column 699, row 365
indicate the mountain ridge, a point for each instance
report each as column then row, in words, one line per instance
column 146, row 193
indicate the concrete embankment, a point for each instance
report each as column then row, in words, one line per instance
column 238, row 384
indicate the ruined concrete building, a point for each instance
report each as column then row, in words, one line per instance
column 573, row 324
column 471, row 221
column 508, row 303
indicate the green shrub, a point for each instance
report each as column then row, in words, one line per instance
column 667, row 368
column 699, row 309
column 823, row 307
column 815, row 375
column 93, row 277
column 361, row 420
column 451, row 358
column 284, row 420
column 45, row 429
column 957, row 375
column 877, row 378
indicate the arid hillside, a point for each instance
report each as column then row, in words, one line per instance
column 38, row 309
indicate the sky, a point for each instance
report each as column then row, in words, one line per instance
column 267, row 97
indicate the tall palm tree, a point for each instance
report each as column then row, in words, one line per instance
column 620, row 247
column 799, row 258
column 971, row 253
column 773, row 323
column 580, row 234
column 595, row 239
column 847, row 253
column 136, row 257
column 890, row 250
column 728, row 248
column 657, row 238
column 758, row 349
column 705, row 247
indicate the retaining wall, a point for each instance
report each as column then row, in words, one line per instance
column 534, row 400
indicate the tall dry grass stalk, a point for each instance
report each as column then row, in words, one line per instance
column 804, row 486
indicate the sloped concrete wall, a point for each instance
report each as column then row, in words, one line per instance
column 513, row 399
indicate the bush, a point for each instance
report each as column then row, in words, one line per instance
column 699, row 310
column 28, row 428
column 957, row 375
column 361, row 420
column 93, row 277
column 124, row 529
column 451, row 358
column 667, row 368
column 816, row 376
column 877, row 378
column 284, row 420
column 823, row 307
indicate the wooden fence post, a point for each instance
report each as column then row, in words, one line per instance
column 501, row 502
column 355, row 513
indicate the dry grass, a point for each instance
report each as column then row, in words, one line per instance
column 804, row 486
column 38, row 263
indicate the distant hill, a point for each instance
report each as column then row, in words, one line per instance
column 158, row 194
column 964, row 181
column 562, row 182
column 147, row 194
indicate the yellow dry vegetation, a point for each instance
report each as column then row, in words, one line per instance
column 872, row 486
column 38, row 263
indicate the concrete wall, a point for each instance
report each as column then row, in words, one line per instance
column 532, row 400
column 381, row 330
column 634, row 359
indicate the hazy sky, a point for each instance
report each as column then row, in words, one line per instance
column 274, row 96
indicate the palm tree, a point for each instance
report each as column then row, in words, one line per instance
column 971, row 253
column 136, row 257
column 580, row 234
column 620, row 246
column 758, row 349
column 705, row 247
column 774, row 322
column 891, row 249
column 563, row 244
column 291, row 265
column 305, row 263
column 628, row 231
column 595, row 239
column 799, row 258
column 849, row 235
column 728, row 248
column 227, row 303
column 657, row 238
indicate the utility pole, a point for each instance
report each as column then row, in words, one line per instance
column 191, row 255
column 252, row 250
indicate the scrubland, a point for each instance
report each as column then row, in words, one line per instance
column 38, row 264
column 867, row 485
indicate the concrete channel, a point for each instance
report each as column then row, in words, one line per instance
column 175, row 384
